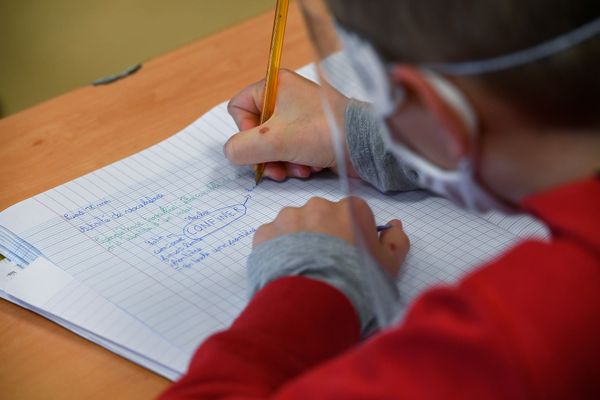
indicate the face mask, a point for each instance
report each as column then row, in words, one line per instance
column 460, row 184
column 457, row 185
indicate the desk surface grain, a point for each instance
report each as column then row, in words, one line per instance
column 90, row 127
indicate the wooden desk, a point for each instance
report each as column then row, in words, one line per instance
column 86, row 129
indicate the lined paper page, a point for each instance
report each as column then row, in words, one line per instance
column 53, row 293
column 163, row 235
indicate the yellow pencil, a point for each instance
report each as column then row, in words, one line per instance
column 270, row 94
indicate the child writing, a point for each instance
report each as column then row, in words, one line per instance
column 525, row 325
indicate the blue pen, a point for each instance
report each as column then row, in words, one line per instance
column 381, row 228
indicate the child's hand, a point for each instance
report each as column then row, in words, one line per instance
column 295, row 141
column 318, row 215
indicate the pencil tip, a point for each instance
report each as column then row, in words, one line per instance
column 258, row 173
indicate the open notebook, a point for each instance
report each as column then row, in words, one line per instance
column 147, row 256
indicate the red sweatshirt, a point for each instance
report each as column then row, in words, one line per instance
column 524, row 326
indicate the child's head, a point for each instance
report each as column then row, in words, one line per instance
column 537, row 123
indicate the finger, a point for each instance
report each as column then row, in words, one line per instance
column 288, row 219
column 276, row 171
column 297, row 170
column 263, row 233
column 360, row 211
column 247, row 121
column 254, row 146
column 394, row 247
column 245, row 107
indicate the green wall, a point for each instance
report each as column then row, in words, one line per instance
column 48, row 47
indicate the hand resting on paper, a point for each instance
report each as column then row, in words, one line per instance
column 322, row 216
column 295, row 141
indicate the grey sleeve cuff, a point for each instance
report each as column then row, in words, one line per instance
column 317, row 256
column 367, row 151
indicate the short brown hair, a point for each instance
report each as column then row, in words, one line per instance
column 563, row 89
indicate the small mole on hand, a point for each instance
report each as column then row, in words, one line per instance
column 263, row 130
column 38, row 142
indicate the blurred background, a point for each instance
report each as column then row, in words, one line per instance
column 50, row 47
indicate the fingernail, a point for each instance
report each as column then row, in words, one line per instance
column 298, row 171
column 303, row 173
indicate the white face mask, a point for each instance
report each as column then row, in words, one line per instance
column 459, row 185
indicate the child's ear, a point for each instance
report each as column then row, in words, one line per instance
column 442, row 133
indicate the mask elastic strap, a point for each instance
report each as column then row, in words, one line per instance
column 521, row 57
column 454, row 98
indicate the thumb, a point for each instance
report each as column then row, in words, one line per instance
column 394, row 247
column 257, row 145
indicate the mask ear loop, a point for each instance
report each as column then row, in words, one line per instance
column 526, row 56
column 445, row 101
column 453, row 97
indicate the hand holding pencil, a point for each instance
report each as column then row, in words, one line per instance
column 295, row 142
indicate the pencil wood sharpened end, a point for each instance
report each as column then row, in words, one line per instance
column 260, row 170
